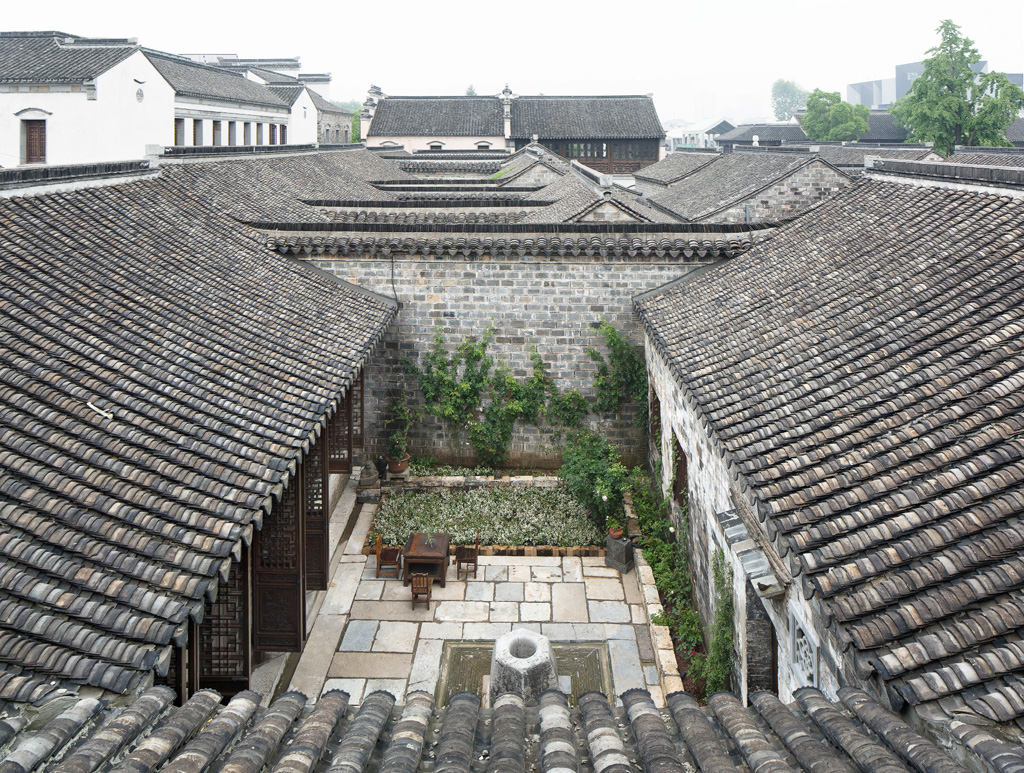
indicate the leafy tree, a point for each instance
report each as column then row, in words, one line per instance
column 470, row 91
column 951, row 105
column 787, row 97
column 357, row 127
column 828, row 118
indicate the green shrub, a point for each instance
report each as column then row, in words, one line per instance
column 716, row 667
column 594, row 475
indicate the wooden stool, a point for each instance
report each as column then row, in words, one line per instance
column 421, row 585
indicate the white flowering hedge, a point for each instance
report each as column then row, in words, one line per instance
column 503, row 516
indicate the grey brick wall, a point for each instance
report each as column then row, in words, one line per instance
column 787, row 197
column 553, row 304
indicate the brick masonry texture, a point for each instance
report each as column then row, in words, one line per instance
column 787, row 197
column 555, row 306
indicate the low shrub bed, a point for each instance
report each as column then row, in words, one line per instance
column 503, row 516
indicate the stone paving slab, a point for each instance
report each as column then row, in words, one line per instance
column 369, row 590
column 341, row 590
column 625, row 665
column 504, row 612
column 537, row 591
column 479, row 591
column 451, row 631
column 604, row 589
column 394, row 686
column 426, row 665
column 394, row 610
column 535, row 612
column 476, row 631
column 316, row 657
column 509, row 591
column 572, row 569
column 358, row 636
column 634, row 595
column 396, row 637
column 354, row 688
column 358, row 665
column 590, row 570
column 522, row 560
column 462, row 611
column 519, row 573
column 569, row 602
column 546, row 574
column 495, row 573
column 607, row 612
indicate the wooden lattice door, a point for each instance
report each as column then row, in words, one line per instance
column 317, row 499
column 357, row 393
column 339, row 432
column 224, row 659
column 279, row 586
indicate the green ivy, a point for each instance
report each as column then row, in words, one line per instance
column 716, row 667
column 622, row 377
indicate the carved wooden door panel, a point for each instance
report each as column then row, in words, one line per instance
column 279, row 563
column 317, row 499
column 339, row 431
column 224, row 659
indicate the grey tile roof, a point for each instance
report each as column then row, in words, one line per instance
column 726, row 181
column 603, row 117
column 766, row 132
column 286, row 92
column 854, row 155
column 1015, row 132
column 987, row 159
column 851, row 734
column 324, row 105
column 56, row 57
column 192, row 79
column 152, row 398
column 438, row 117
column 674, row 167
column 879, row 424
column 883, row 127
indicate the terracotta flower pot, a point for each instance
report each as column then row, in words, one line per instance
column 615, row 533
column 398, row 466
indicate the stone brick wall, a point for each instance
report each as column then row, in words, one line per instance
column 787, row 197
column 538, row 174
column 607, row 212
column 555, row 304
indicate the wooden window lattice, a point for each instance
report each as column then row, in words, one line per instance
column 317, row 498
column 225, row 657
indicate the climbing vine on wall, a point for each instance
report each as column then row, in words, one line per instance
column 622, row 376
column 716, row 667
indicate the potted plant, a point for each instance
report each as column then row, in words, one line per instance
column 400, row 418
column 614, row 527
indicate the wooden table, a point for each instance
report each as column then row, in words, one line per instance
column 426, row 552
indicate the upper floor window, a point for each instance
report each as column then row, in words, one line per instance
column 33, row 142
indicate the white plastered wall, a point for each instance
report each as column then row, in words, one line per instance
column 302, row 125
column 423, row 143
column 114, row 126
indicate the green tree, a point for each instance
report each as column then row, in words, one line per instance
column 357, row 127
column 470, row 91
column 829, row 119
column 787, row 97
column 951, row 105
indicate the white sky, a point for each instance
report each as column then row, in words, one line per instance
column 700, row 60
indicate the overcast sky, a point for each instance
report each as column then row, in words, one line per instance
column 700, row 60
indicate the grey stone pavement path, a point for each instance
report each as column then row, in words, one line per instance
column 366, row 636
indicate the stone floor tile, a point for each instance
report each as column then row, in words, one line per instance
column 479, row 591
column 495, row 573
column 508, row 591
column 599, row 571
column 535, row 627
column 644, row 643
column 393, row 610
column 589, row 631
column 607, row 612
column 354, row 546
column 354, row 688
column 522, row 560
column 626, row 670
column 539, row 612
column 394, row 686
column 634, row 595
column 369, row 590
column 395, row 637
column 462, row 611
column 341, row 590
column 358, row 636
column 651, row 675
column 537, row 591
column 504, row 612
column 383, row 665
column 484, row 631
column 454, row 590
column 657, row 695
column 546, row 574
column 426, row 665
column 572, row 569
column 441, row 631
column 592, row 561
column 638, row 614
column 615, row 631
column 315, row 660
column 559, row 631
column 520, row 573
column 569, row 603
column 604, row 589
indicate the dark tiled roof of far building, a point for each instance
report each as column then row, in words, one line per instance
column 56, row 57
column 765, row 132
column 813, row 735
column 864, row 370
column 730, row 179
column 191, row 79
column 162, row 372
column 674, row 167
column 987, row 159
column 854, row 155
column 324, row 105
column 438, row 117
column 570, row 118
column 883, row 127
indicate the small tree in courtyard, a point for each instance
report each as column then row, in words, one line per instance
column 829, row 119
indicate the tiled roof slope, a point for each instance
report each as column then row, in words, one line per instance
column 56, row 57
column 987, row 159
column 815, row 735
column 766, row 132
column 569, row 118
column 883, row 127
column 274, row 189
column 324, row 105
column 854, row 155
column 160, row 374
column 864, row 369
column 730, row 179
column 675, row 166
column 191, row 79
column 438, row 117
